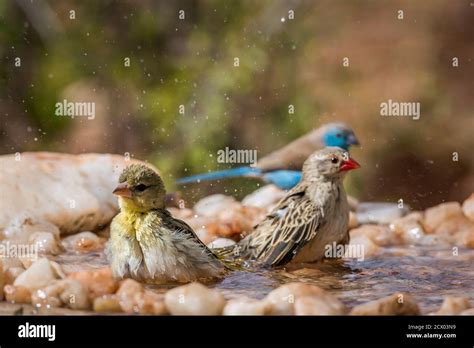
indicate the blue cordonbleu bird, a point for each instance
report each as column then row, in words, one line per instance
column 283, row 166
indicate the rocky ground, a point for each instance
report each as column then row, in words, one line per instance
column 413, row 262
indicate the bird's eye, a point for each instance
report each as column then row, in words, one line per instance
column 334, row 160
column 140, row 188
column 338, row 135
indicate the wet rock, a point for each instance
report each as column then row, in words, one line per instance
column 72, row 192
column 453, row 305
column 66, row 292
column 437, row 215
column 316, row 305
column 8, row 262
column 38, row 275
column 214, row 204
column 265, row 197
column 379, row 213
column 396, row 304
column 74, row 295
column 409, row 228
column 380, row 235
column 194, row 299
column 466, row 238
column 133, row 298
column 83, row 242
column 182, row 214
column 436, row 240
column 12, row 273
column 149, row 302
column 362, row 246
column 22, row 227
column 245, row 306
column 126, row 295
column 97, row 282
column 205, row 236
column 235, row 223
column 281, row 301
column 468, row 207
column 45, row 243
column 353, row 223
column 57, row 269
column 222, row 216
column 17, row 294
column 220, row 243
column 2, row 281
column 107, row 304
column 452, row 226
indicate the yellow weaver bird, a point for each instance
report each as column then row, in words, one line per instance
column 146, row 243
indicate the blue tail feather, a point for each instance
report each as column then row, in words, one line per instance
column 284, row 179
column 222, row 174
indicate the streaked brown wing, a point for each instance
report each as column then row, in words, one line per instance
column 294, row 223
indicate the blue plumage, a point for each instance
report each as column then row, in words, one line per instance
column 284, row 179
column 221, row 174
column 342, row 137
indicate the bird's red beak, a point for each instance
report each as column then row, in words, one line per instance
column 349, row 165
column 123, row 190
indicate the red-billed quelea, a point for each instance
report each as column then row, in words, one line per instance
column 313, row 214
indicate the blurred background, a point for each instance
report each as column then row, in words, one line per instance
column 77, row 50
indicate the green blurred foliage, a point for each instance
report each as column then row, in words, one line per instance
column 190, row 62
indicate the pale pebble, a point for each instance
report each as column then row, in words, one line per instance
column 469, row 311
column 83, row 242
column 17, row 294
column 45, row 243
column 215, row 204
column 361, row 247
column 245, row 306
column 194, row 299
column 133, row 298
column 319, row 305
column 409, row 228
column 380, row 235
column 97, row 282
column 353, row 223
column 281, row 301
column 468, row 207
column 221, row 243
column 2, row 281
column 22, row 227
column 264, row 197
column 74, row 295
column 453, row 305
column 438, row 214
column 107, row 304
column 379, row 212
column 396, row 304
column 66, row 292
column 38, row 275
column 12, row 273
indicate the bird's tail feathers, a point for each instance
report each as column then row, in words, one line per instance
column 228, row 257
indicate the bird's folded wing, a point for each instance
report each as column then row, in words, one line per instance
column 294, row 223
column 177, row 225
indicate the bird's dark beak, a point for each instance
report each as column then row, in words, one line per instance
column 123, row 190
column 349, row 165
column 352, row 140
